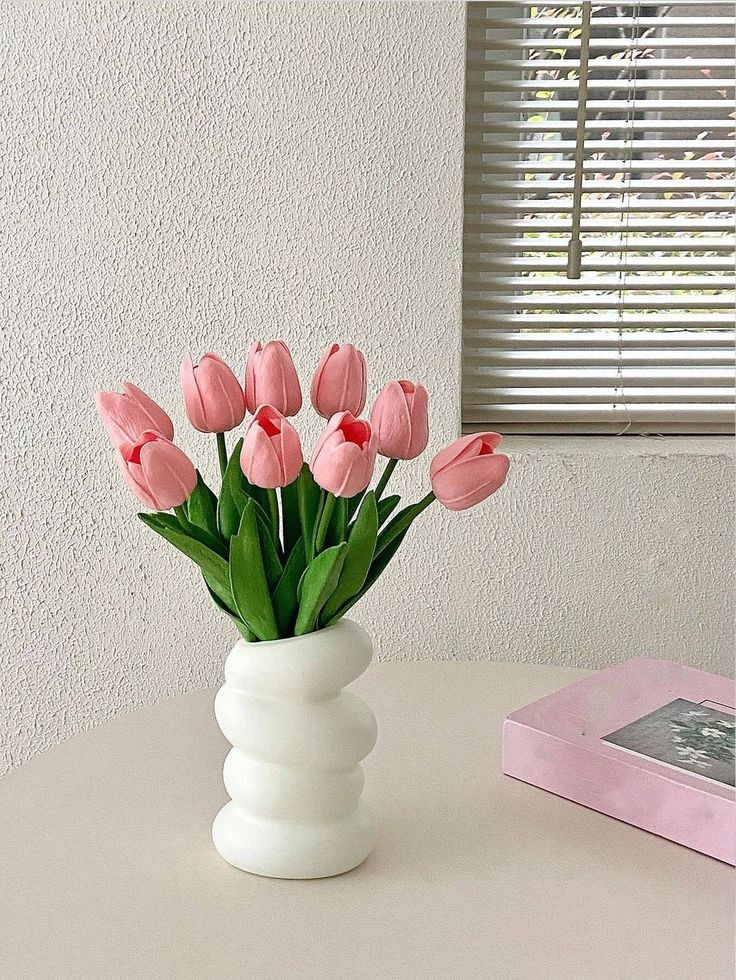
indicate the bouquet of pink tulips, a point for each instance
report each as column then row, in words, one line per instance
column 287, row 548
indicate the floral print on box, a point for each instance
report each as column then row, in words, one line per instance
column 687, row 735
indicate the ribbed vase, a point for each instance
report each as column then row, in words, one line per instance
column 294, row 773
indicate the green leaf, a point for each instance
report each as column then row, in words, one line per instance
column 361, row 546
column 215, row 544
column 269, row 554
column 338, row 521
column 377, row 568
column 398, row 524
column 257, row 494
column 310, row 499
column 317, row 585
column 291, row 524
column 237, row 621
column 386, row 506
column 232, row 497
column 234, row 493
column 208, row 560
column 353, row 504
column 248, row 578
column 202, row 507
column 285, row 599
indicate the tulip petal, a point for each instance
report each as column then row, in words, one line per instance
column 192, row 398
column 259, row 458
column 419, row 422
column 464, row 448
column 467, row 483
column 127, row 415
column 133, row 476
column 158, row 420
column 168, row 473
column 339, row 383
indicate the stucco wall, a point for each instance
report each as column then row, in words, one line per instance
column 191, row 176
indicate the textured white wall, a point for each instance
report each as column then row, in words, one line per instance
column 181, row 177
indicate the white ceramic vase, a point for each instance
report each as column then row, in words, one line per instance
column 294, row 773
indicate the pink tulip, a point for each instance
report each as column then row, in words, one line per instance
column 400, row 420
column 212, row 394
column 127, row 416
column 344, row 457
column 468, row 470
column 271, row 378
column 158, row 472
column 339, row 383
column 272, row 454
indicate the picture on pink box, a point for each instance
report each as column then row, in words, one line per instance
column 684, row 734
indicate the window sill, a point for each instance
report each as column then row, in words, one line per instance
column 634, row 446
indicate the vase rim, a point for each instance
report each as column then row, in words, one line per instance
column 250, row 645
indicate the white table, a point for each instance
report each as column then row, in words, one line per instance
column 107, row 870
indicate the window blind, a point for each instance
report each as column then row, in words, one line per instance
column 643, row 341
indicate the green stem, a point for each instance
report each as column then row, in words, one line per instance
column 342, row 518
column 353, row 503
column 273, row 505
column 385, row 477
column 324, row 523
column 402, row 522
column 181, row 513
column 222, row 452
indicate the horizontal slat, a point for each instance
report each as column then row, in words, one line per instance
column 549, row 356
column 516, row 265
column 660, row 417
column 551, row 283
column 608, row 425
column 475, row 163
column 640, row 85
column 498, row 43
column 677, row 244
column 534, row 332
column 611, row 125
column 479, row 11
column 557, row 185
column 690, row 113
column 629, row 205
column 593, row 396
column 474, row 141
column 486, row 378
column 620, row 23
column 665, row 301
column 598, row 225
column 535, row 103
column 602, row 63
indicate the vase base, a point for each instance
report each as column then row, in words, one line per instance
column 285, row 849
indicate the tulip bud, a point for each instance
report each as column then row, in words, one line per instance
column 339, row 383
column 271, row 379
column 126, row 417
column 344, row 457
column 468, row 470
column 158, row 472
column 272, row 453
column 400, row 420
column 213, row 397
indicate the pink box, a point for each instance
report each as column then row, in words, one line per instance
column 647, row 741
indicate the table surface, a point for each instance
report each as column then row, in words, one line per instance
column 107, row 868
